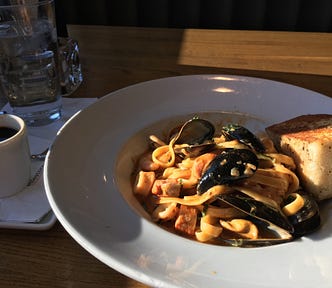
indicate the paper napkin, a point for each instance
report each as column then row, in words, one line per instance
column 31, row 204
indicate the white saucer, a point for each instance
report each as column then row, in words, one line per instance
column 46, row 223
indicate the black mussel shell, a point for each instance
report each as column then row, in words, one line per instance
column 195, row 131
column 271, row 235
column 259, row 209
column 228, row 167
column 307, row 219
column 243, row 135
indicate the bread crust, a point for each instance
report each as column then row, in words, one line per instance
column 308, row 140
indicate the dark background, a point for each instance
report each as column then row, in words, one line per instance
column 281, row 15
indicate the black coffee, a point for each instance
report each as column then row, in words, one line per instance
column 6, row 132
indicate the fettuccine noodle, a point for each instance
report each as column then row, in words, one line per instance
column 168, row 191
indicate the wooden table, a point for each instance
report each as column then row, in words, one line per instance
column 114, row 57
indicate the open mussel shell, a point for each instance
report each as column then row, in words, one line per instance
column 194, row 138
column 259, row 207
column 264, row 212
column 274, row 235
column 194, row 131
column 243, row 135
column 307, row 219
column 229, row 166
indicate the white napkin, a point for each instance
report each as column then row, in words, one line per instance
column 31, row 204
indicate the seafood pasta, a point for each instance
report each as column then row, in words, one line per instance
column 223, row 187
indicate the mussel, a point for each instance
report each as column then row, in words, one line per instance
column 265, row 213
column 195, row 137
column 306, row 217
column 195, row 131
column 281, row 225
column 229, row 166
column 275, row 235
column 258, row 206
column 243, row 135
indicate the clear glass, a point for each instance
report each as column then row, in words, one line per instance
column 29, row 60
column 70, row 66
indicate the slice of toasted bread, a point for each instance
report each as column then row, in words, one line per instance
column 308, row 140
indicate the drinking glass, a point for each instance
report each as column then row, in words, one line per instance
column 29, row 76
column 70, row 66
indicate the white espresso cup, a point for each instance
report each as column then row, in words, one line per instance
column 14, row 155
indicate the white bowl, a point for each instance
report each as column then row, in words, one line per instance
column 87, row 174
